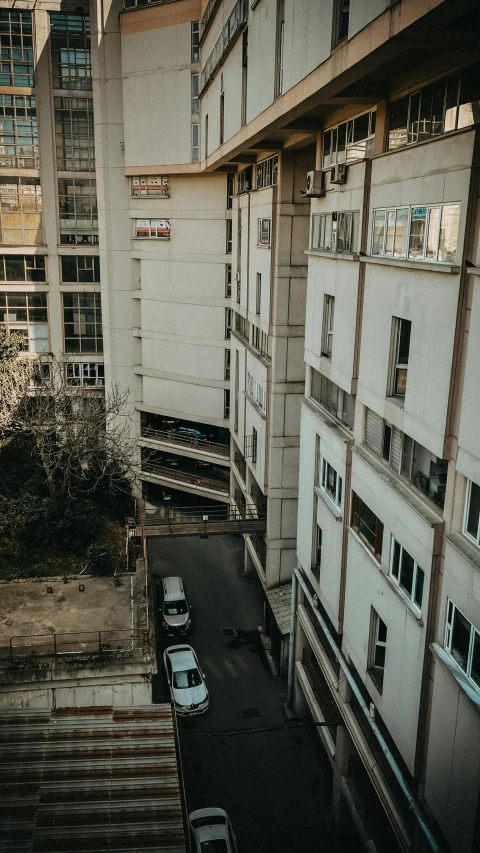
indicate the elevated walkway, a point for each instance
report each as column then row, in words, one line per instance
column 195, row 521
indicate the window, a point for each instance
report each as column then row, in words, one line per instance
column 254, row 445
column 195, row 91
column 368, row 527
column 237, row 388
column 427, row 233
column 230, row 190
column 259, row 340
column 226, row 373
column 256, row 392
column 80, row 268
column 71, row 57
column 229, row 235
column 226, row 403
column 377, row 649
column 16, row 43
column 447, row 104
column 243, row 118
column 20, row 211
column 401, row 331
column 471, row 524
column 82, row 316
column 15, row 268
column 245, row 180
column 267, row 172
column 74, row 136
column 264, row 226
column 341, row 14
column 462, row 641
column 155, row 229
column 85, row 373
column 279, row 47
column 239, row 254
column 195, row 34
column 206, row 135
column 26, row 313
column 385, row 440
column 228, row 323
column 228, row 281
column 352, row 140
column 335, row 232
column 327, row 325
column 195, row 143
column 334, row 399
column 317, row 553
column 77, row 199
column 18, row 132
column 222, row 115
column 242, row 326
column 407, row 574
column 258, row 293
column 231, row 29
column 331, row 483
column 149, row 186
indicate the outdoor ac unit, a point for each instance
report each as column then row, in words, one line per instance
column 314, row 185
column 338, row 175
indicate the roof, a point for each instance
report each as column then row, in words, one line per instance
column 182, row 660
column 77, row 780
column 280, row 601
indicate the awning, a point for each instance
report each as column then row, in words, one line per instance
column 280, row 601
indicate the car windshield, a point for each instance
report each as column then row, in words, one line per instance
column 175, row 608
column 216, row 845
column 186, row 678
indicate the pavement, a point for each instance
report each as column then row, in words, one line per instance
column 271, row 775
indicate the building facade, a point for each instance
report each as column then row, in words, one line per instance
column 261, row 219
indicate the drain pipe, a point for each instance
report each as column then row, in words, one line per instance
column 414, row 805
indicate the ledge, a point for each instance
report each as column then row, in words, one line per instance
column 403, row 263
column 339, row 256
column 465, row 548
column 328, row 501
column 343, row 432
column 403, row 489
column 473, row 271
column 458, row 674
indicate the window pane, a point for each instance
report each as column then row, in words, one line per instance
column 401, row 228
column 438, row 105
column 433, row 232
column 396, row 559
column 473, row 511
column 460, row 639
column 451, row 102
column 417, row 232
column 469, row 109
column 406, row 572
column 342, row 137
column 424, row 121
column 475, row 671
column 448, row 233
column 379, row 656
column 378, row 232
column 360, row 130
column 404, row 341
column 419, row 587
column 397, row 125
column 413, row 118
column 390, row 232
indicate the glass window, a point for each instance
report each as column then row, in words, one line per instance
column 18, row 132
column 334, row 399
column 331, row 483
column 15, row 268
column 80, row 268
column 397, row 124
column 195, row 142
column 378, row 232
column 26, row 313
column 82, row 315
column 75, row 144
column 195, row 93
column 20, row 211
column 368, row 527
column 447, row 247
column 77, row 199
column 71, row 56
column 417, row 232
column 472, row 512
column 158, row 229
column 264, row 232
column 469, row 106
column 16, row 45
column 431, row 232
column 195, row 41
column 349, row 141
column 85, row 373
column 407, row 573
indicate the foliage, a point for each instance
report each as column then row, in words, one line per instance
column 11, row 344
column 44, row 534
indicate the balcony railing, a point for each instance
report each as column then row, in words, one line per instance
column 258, row 497
column 184, row 477
column 224, row 43
column 186, row 441
column 260, row 548
column 79, row 643
column 241, row 464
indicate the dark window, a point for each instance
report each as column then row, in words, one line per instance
column 85, row 268
column 341, row 14
column 71, row 56
column 19, row 134
column 401, row 350
column 82, row 322
column 367, row 526
column 22, row 268
column 16, row 44
column 77, row 199
column 472, row 520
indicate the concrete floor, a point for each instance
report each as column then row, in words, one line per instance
column 274, row 783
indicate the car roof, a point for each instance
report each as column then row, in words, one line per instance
column 182, row 658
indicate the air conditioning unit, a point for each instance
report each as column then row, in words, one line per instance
column 315, row 188
column 338, row 174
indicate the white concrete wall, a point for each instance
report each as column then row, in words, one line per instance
column 468, row 461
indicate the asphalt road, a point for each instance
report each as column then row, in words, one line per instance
column 275, row 783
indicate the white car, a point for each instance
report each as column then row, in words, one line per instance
column 186, row 680
column 212, row 832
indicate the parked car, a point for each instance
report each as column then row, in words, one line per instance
column 211, row 832
column 186, row 680
column 176, row 618
column 188, row 432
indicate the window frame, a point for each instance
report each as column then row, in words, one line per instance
column 326, row 468
column 448, row 638
column 396, row 366
column 407, row 254
column 374, row 669
column 98, row 374
column 33, row 268
column 264, row 233
column 93, row 341
column 94, row 268
column 195, row 41
column 343, row 228
column 19, row 114
column 468, row 497
column 330, row 141
column 195, row 84
column 412, row 596
column 376, row 549
column 27, row 322
column 147, row 189
column 152, row 229
column 195, row 142
column 328, row 322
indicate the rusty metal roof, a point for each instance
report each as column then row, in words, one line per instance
column 280, row 600
column 90, row 779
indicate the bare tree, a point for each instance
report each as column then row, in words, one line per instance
column 15, row 375
column 83, row 435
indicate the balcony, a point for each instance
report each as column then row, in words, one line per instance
column 241, row 465
column 182, row 439
column 260, row 548
column 258, row 498
column 181, row 471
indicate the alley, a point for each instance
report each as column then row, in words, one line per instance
column 271, row 777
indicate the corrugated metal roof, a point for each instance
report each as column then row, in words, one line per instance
column 78, row 780
column 280, row 600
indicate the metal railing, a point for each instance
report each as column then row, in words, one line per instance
column 78, row 643
column 259, row 498
column 260, row 548
column 184, row 477
column 224, row 518
column 241, row 464
column 186, row 441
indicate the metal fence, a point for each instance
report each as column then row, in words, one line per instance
column 78, row 643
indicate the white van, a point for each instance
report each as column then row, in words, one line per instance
column 175, row 610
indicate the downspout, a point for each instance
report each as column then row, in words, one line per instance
column 414, row 805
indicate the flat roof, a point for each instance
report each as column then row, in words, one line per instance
column 280, row 601
column 77, row 780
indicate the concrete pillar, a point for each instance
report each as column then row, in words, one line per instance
column 343, row 750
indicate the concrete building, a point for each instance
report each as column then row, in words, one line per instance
column 301, row 349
